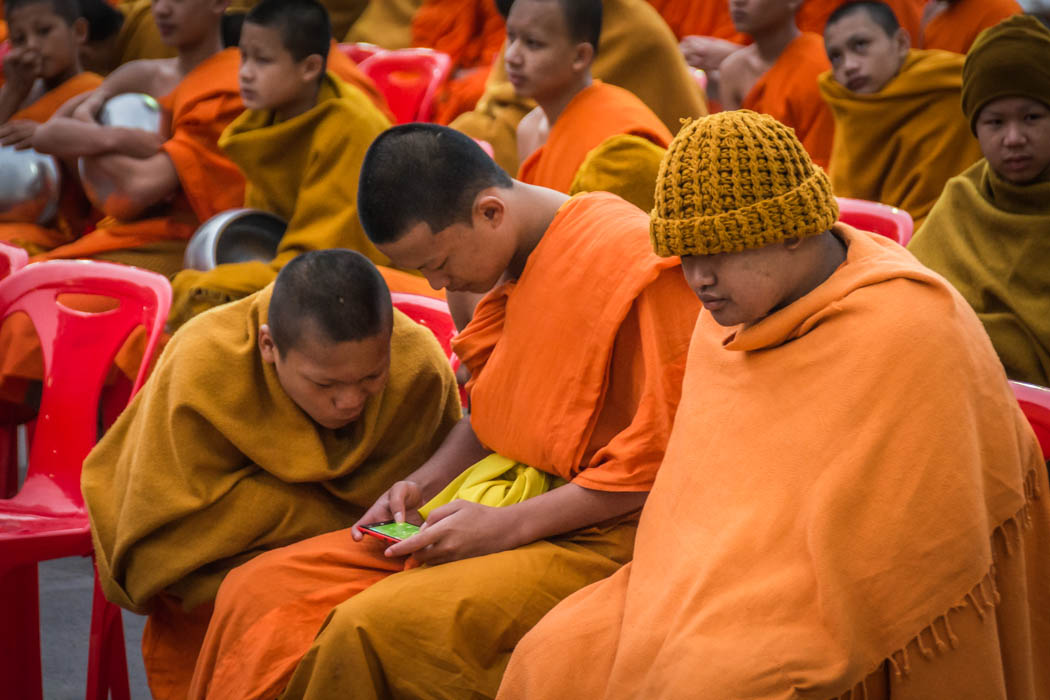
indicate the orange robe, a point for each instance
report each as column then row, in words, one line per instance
column 202, row 105
column 834, row 517
column 813, row 14
column 955, row 28
column 686, row 17
column 595, row 114
column 788, row 92
column 75, row 212
column 593, row 407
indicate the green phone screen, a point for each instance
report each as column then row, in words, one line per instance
column 401, row 531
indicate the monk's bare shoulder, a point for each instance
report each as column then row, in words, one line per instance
column 156, row 77
column 533, row 130
column 738, row 74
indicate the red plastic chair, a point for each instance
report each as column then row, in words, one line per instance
column 360, row 51
column 1035, row 402
column 47, row 518
column 434, row 314
column 878, row 218
column 12, row 259
column 409, row 79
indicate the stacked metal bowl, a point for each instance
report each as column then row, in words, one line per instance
column 29, row 186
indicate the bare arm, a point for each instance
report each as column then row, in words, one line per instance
column 706, row 52
column 137, row 183
column 730, row 77
column 532, row 133
column 71, row 138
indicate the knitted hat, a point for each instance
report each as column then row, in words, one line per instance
column 734, row 181
column 1011, row 59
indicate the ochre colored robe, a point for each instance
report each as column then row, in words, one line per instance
column 596, row 113
column 625, row 165
column 900, row 145
column 387, row 24
column 990, row 239
column 955, row 28
column 202, row 105
column 789, row 93
column 813, row 15
column 213, row 463
column 305, row 170
column 637, row 52
column 686, row 17
column 139, row 38
column 592, row 406
column 851, row 504
column 74, row 212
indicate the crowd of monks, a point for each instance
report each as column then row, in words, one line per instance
column 718, row 443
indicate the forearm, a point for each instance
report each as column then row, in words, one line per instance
column 73, row 138
column 131, row 185
column 564, row 509
column 9, row 103
column 460, row 450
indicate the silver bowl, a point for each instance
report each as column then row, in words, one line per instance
column 235, row 235
column 132, row 110
column 29, row 186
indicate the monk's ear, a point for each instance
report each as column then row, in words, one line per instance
column 80, row 31
column 312, row 67
column 489, row 210
column 267, row 348
column 583, row 57
column 903, row 41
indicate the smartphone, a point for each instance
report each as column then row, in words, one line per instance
column 390, row 531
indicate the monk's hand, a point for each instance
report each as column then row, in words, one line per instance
column 87, row 110
column 706, row 52
column 400, row 503
column 18, row 133
column 458, row 530
column 21, row 69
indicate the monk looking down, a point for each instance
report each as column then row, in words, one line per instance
column 266, row 421
column 851, row 505
column 575, row 354
column 899, row 133
column 777, row 74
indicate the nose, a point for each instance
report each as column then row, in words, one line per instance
column 160, row 8
column 246, row 72
column 850, row 64
column 698, row 272
column 1014, row 134
column 512, row 56
column 350, row 398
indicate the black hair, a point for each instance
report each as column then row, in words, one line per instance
column 582, row 17
column 426, row 173
column 337, row 293
column 232, row 23
column 303, row 24
column 103, row 19
column 879, row 12
column 68, row 10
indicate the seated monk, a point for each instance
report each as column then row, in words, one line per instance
column 299, row 143
column 812, row 15
column 164, row 186
column 638, row 53
column 42, row 72
column 851, row 504
column 899, row 134
column 777, row 74
column 953, row 25
column 987, row 234
column 587, row 410
column 550, row 47
column 273, row 419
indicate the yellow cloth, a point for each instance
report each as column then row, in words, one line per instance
column 139, row 38
column 387, row 24
column 343, row 14
column 637, row 52
column 625, row 165
column 901, row 145
column 990, row 239
column 304, row 170
column 213, row 463
column 494, row 481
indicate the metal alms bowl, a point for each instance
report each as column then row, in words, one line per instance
column 235, row 235
column 29, row 186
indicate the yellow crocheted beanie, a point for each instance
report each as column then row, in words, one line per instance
column 734, row 181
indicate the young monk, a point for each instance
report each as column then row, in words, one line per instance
column 275, row 418
column 587, row 411
column 953, row 25
column 899, row 134
column 42, row 72
column 812, row 15
column 987, row 234
column 851, row 505
column 160, row 187
column 550, row 47
column 300, row 144
column 777, row 74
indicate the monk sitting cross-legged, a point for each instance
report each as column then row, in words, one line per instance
column 777, row 74
column 300, row 144
column 851, row 504
column 576, row 356
column 267, row 421
column 899, row 133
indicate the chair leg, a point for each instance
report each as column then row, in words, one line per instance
column 107, row 661
column 20, row 633
column 8, row 460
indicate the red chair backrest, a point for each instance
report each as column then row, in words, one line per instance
column 878, row 218
column 409, row 79
column 1035, row 402
column 11, row 258
column 429, row 312
column 78, row 348
column 360, row 51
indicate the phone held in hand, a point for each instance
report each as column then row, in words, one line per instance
column 390, row 530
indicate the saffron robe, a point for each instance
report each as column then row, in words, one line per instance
column 989, row 238
column 638, row 53
column 789, row 93
column 901, row 145
column 202, row 105
column 592, row 406
column 687, row 17
column 387, row 24
column 813, row 15
column 594, row 114
column 956, row 27
column 305, row 170
column 849, row 488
